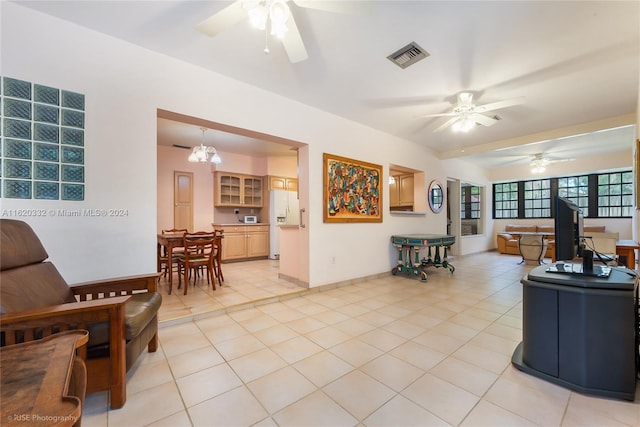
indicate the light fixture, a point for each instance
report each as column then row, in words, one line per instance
column 202, row 153
column 276, row 13
column 539, row 164
column 392, row 179
column 463, row 124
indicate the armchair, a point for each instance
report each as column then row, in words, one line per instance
column 35, row 301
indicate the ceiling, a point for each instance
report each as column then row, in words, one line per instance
column 576, row 64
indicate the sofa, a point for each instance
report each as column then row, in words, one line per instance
column 35, row 302
column 507, row 241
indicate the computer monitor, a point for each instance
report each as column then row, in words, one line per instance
column 569, row 229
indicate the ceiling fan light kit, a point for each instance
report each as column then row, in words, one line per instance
column 466, row 115
column 273, row 17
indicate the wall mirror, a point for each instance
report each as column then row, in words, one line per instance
column 436, row 196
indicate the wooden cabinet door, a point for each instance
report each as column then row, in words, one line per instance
column 228, row 190
column 277, row 183
column 234, row 246
column 257, row 244
column 405, row 190
column 394, row 197
column 291, row 184
column 252, row 192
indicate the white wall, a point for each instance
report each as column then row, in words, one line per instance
column 124, row 86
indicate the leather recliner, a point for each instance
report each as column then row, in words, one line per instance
column 35, row 301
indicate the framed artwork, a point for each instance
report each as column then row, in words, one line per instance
column 352, row 190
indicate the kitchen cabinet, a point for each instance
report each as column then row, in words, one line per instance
column 244, row 241
column 238, row 190
column 282, row 183
column 401, row 191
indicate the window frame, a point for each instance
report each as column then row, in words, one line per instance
column 592, row 194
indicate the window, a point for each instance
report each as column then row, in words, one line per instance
column 537, row 198
column 615, row 194
column 576, row 189
column 533, row 198
column 470, row 202
column 506, row 200
column 470, row 209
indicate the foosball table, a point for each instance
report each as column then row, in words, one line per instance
column 409, row 247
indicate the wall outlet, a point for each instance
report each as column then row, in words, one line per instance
column 236, row 211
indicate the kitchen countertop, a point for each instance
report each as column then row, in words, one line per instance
column 234, row 224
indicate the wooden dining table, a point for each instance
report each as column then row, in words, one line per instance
column 170, row 241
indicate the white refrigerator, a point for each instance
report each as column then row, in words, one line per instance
column 283, row 210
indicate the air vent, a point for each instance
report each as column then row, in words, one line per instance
column 408, row 55
column 184, row 147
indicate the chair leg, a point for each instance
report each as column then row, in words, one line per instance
column 152, row 347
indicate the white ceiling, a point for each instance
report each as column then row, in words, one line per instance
column 575, row 62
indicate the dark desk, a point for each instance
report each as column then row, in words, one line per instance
column 41, row 380
column 579, row 332
column 409, row 246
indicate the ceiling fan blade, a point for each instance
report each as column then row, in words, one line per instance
column 442, row 115
column 215, row 24
column 293, row 44
column 446, row 124
column 348, row 7
column 500, row 104
column 482, row 119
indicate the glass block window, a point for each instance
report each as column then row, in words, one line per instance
column 470, row 203
column 537, row 198
column 615, row 194
column 576, row 189
column 506, row 200
column 42, row 146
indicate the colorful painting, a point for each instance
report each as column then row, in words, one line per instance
column 352, row 190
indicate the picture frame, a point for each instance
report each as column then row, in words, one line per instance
column 352, row 190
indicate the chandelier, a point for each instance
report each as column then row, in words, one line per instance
column 203, row 153
column 273, row 12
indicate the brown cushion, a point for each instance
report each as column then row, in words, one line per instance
column 20, row 245
column 139, row 311
column 32, row 286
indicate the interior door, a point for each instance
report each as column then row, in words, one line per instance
column 183, row 200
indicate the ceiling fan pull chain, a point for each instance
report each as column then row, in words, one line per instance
column 266, row 38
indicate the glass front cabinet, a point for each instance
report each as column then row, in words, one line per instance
column 238, row 190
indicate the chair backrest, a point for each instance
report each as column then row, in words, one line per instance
column 27, row 280
column 198, row 244
column 175, row 230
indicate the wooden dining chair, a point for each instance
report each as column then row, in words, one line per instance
column 176, row 253
column 218, row 235
column 199, row 253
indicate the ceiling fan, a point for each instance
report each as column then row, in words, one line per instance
column 275, row 18
column 539, row 162
column 465, row 115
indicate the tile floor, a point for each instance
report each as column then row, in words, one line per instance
column 391, row 351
